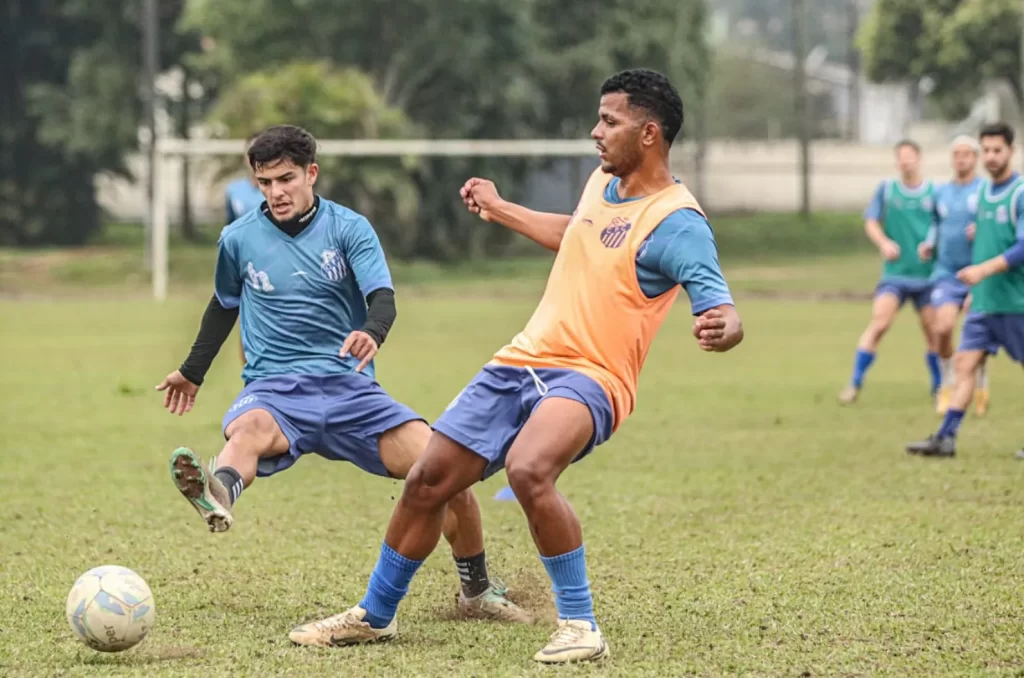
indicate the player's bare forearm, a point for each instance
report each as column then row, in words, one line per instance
column 994, row 266
column 875, row 232
column 544, row 228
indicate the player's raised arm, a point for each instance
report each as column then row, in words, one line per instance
column 370, row 268
column 181, row 385
column 545, row 228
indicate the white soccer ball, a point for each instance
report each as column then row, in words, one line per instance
column 110, row 608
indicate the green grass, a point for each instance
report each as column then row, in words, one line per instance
column 740, row 523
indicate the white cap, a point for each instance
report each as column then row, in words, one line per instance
column 968, row 141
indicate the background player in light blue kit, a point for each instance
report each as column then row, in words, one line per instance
column 241, row 196
column 949, row 243
column 316, row 299
column 897, row 222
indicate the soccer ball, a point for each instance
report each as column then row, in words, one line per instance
column 110, row 608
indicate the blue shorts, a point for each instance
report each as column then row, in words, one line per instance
column 490, row 412
column 949, row 291
column 918, row 291
column 339, row 417
column 989, row 332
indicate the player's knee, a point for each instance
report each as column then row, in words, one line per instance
column 964, row 363
column 943, row 330
column 255, row 430
column 426, row 486
column 527, row 480
column 878, row 327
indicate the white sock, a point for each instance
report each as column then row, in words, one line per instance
column 981, row 377
column 946, row 370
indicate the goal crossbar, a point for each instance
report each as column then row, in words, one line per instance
column 167, row 147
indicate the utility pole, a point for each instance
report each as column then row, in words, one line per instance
column 150, row 58
column 802, row 102
column 853, row 64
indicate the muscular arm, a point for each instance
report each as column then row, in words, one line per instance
column 544, row 228
column 682, row 251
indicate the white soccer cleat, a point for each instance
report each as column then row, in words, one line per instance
column 574, row 641
column 347, row 628
column 493, row 604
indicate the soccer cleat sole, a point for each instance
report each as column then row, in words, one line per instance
column 191, row 480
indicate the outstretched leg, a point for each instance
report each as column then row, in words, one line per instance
column 445, row 470
column 481, row 596
column 252, row 436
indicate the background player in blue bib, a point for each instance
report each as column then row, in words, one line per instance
column 897, row 222
column 949, row 243
column 313, row 288
column 241, row 196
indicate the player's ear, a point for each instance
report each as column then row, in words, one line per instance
column 312, row 172
column 650, row 133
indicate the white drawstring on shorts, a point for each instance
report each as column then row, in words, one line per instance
column 542, row 388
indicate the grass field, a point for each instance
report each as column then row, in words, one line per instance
column 740, row 523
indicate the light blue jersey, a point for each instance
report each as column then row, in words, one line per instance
column 300, row 297
column 240, row 196
column 680, row 251
column 956, row 207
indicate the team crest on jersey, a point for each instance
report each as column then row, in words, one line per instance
column 614, row 234
column 1002, row 215
column 259, row 280
column 332, row 265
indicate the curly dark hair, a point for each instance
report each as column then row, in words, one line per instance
column 998, row 129
column 282, row 142
column 652, row 92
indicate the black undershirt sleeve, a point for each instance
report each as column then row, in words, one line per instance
column 380, row 314
column 213, row 332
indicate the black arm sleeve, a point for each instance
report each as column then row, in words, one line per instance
column 213, row 332
column 380, row 314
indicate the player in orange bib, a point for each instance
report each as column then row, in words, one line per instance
column 567, row 381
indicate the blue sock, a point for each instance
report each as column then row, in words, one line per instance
column 951, row 424
column 568, row 574
column 860, row 366
column 388, row 585
column 933, row 368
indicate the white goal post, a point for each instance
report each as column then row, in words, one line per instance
column 172, row 147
